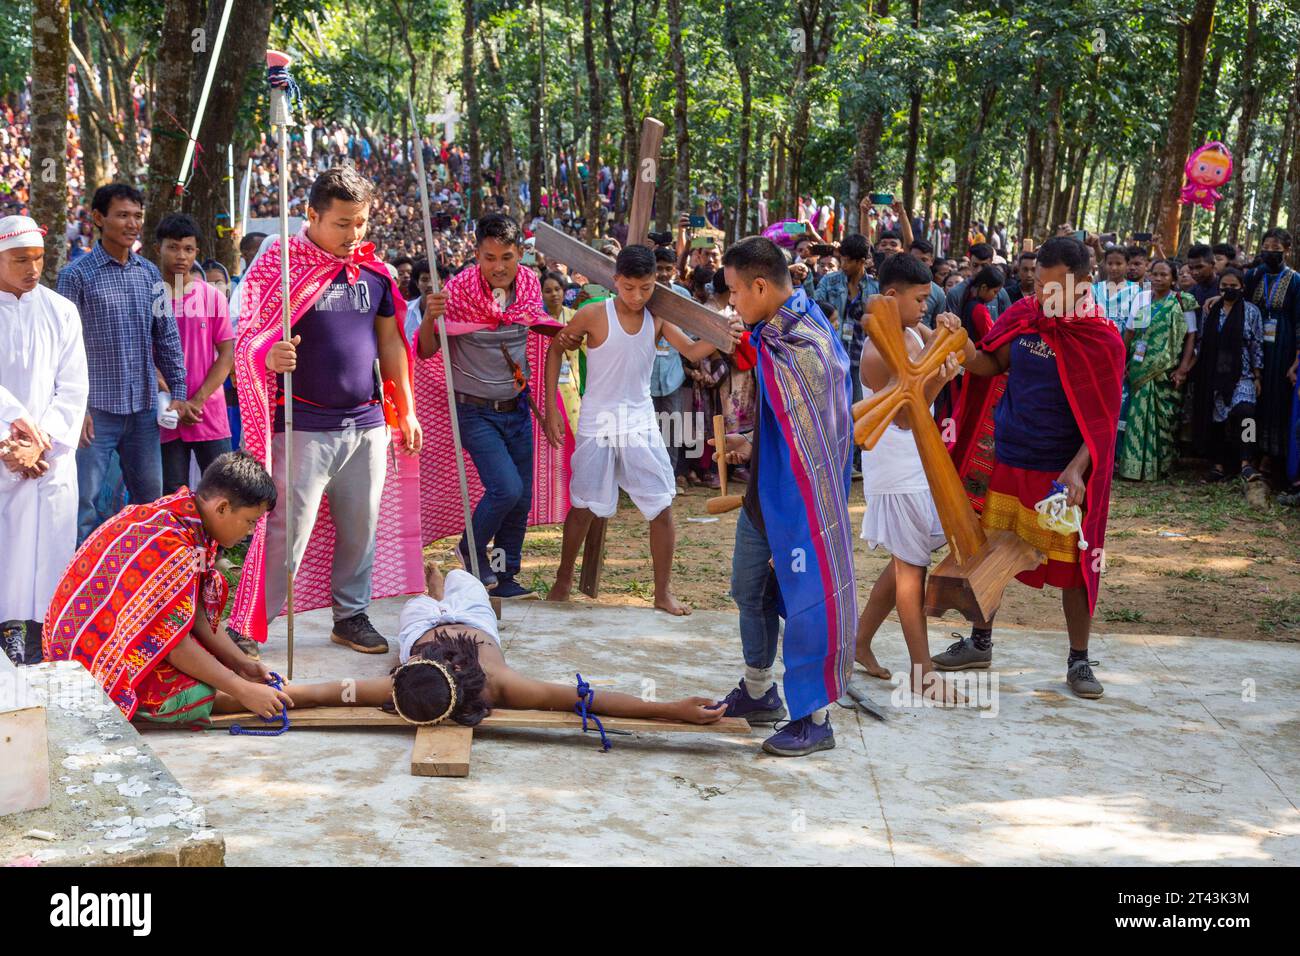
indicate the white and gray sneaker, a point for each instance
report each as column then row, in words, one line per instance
column 963, row 656
column 1082, row 680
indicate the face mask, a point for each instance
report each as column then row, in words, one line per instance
column 1271, row 258
column 1231, row 295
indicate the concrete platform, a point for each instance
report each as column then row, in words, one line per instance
column 1193, row 756
column 112, row 802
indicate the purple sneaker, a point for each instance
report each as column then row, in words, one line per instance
column 801, row 737
column 766, row 710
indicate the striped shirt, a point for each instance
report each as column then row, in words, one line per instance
column 128, row 327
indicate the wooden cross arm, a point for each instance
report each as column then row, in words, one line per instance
column 664, row 304
column 907, row 386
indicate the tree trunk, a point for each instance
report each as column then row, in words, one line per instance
column 1288, row 127
column 1246, row 128
column 1196, row 36
column 966, row 173
column 870, row 130
column 913, row 132
column 595, row 107
column 507, row 153
column 92, row 147
column 243, row 58
column 167, row 143
column 472, row 108
column 1109, row 223
column 1047, row 164
column 49, row 118
column 681, row 152
column 742, row 165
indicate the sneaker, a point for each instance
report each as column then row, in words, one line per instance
column 767, row 709
column 13, row 641
column 1082, row 680
column 508, row 589
column 1249, row 474
column 1290, row 499
column 359, row 634
column 962, row 656
column 249, row 646
column 485, row 572
column 801, row 737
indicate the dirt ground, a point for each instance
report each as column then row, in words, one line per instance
column 1182, row 558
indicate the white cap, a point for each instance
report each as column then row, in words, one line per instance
column 20, row 232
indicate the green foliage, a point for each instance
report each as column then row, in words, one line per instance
column 16, row 51
column 1116, row 66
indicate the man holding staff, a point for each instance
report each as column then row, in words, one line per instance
column 347, row 315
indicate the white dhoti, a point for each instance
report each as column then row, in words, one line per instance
column 637, row 462
column 43, row 378
column 464, row 601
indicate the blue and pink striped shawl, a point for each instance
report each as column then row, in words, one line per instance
column 805, row 444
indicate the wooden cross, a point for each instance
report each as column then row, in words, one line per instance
column 664, row 303
column 972, row 577
column 443, row 750
column 448, row 117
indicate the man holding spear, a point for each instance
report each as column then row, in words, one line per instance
column 321, row 420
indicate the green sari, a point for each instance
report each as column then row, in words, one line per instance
column 1147, row 451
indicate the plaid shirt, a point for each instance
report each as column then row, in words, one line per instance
column 128, row 327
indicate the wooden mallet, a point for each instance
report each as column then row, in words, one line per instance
column 723, row 502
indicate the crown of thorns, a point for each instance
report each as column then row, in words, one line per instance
column 451, row 684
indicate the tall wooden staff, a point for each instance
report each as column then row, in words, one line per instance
column 277, row 75
column 442, row 338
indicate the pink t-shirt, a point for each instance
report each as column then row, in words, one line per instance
column 203, row 321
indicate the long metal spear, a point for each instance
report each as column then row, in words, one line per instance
column 281, row 120
column 442, row 338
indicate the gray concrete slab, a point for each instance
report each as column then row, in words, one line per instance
column 1193, row 756
column 112, row 802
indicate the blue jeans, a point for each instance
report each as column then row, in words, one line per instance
column 501, row 446
column 135, row 439
column 755, row 591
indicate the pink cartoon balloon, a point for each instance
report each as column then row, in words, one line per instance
column 1207, row 168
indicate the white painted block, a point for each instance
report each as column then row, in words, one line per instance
column 25, row 759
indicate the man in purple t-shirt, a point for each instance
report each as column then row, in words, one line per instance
column 341, row 347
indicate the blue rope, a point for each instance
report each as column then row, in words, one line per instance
column 277, row 682
column 583, row 709
column 279, row 78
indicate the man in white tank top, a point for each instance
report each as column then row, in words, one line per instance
column 617, row 441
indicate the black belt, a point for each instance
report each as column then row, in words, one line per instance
column 496, row 404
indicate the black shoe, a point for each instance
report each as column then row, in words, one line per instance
column 508, row 589
column 250, row 647
column 359, row 634
column 13, row 641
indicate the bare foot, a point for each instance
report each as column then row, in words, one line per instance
column 934, row 689
column 433, row 580
column 867, row 658
column 560, row 589
column 666, row 602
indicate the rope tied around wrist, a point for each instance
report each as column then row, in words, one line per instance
column 277, row 682
column 586, row 696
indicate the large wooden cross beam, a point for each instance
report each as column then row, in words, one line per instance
column 972, row 577
column 664, row 303
column 443, row 750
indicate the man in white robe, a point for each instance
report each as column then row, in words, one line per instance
column 43, row 392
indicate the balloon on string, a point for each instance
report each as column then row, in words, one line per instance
column 1208, row 168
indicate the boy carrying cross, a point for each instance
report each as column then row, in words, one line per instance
column 617, row 441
